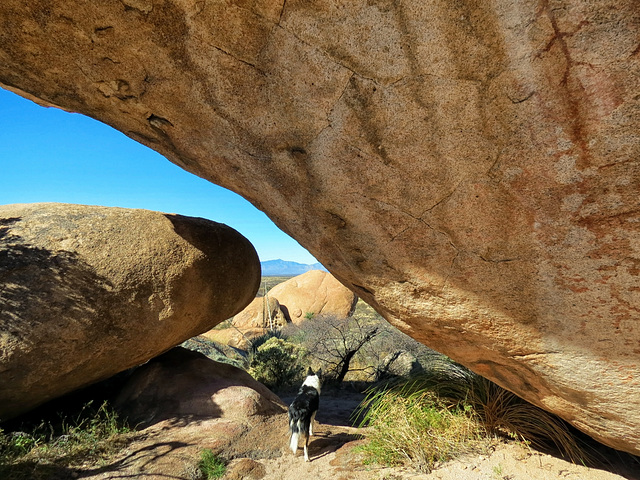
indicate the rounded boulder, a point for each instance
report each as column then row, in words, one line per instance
column 314, row 293
column 87, row 292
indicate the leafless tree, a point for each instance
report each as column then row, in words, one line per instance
column 335, row 341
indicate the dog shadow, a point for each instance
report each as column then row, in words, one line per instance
column 324, row 443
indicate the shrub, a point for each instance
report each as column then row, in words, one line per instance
column 257, row 342
column 277, row 363
column 334, row 342
column 357, row 347
column 211, row 465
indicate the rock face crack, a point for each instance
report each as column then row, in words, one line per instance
column 517, row 100
column 284, row 6
column 331, row 56
column 572, row 100
column 238, row 59
column 441, row 200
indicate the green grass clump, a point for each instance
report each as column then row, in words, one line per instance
column 211, row 465
column 417, row 429
column 501, row 412
column 51, row 446
column 446, row 411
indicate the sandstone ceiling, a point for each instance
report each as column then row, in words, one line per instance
column 470, row 168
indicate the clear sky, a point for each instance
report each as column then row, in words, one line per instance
column 48, row 155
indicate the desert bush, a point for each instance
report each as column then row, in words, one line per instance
column 277, row 363
column 391, row 341
column 334, row 342
column 257, row 342
column 357, row 346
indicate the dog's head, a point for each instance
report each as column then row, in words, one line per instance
column 314, row 379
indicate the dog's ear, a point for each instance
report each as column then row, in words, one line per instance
column 319, row 373
column 310, row 372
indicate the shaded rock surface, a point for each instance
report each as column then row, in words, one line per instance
column 87, row 292
column 186, row 386
column 469, row 168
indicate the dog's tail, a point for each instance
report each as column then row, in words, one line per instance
column 293, row 444
column 294, row 428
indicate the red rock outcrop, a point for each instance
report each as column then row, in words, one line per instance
column 250, row 323
column 304, row 296
column 469, row 168
column 87, row 292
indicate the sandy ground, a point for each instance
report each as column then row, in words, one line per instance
column 170, row 450
column 333, row 457
column 505, row 462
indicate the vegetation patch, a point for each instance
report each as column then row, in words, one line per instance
column 50, row 448
column 417, row 429
column 449, row 410
column 277, row 363
column 211, row 466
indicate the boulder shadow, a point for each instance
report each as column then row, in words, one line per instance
column 42, row 293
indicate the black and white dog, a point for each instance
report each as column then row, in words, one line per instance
column 302, row 411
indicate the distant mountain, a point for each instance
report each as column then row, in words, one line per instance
column 283, row 268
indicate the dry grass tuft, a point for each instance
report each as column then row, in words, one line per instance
column 416, row 429
column 446, row 412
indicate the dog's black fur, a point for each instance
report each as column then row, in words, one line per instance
column 302, row 411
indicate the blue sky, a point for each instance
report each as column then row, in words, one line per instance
column 48, row 155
